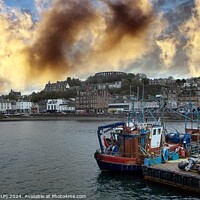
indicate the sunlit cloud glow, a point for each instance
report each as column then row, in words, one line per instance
column 75, row 37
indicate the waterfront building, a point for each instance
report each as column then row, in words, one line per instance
column 5, row 107
column 186, row 100
column 119, row 108
column 23, row 106
column 35, row 108
column 68, row 106
column 54, row 104
column 42, row 106
column 92, row 100
column 13, row 106
column 126, row 107
column 150, row 105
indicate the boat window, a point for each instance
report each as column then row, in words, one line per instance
column 159, row 131
column 154, row 132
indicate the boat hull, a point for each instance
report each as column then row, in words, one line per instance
column 117, row 164
column 117, row 167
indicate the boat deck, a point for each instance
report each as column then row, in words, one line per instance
column 172, row 166
column 169, row 174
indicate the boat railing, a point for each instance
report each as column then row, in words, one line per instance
column 123, row 154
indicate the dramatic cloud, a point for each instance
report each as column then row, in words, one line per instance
column 168, row 47
column 57, row 33
column 126, row 33
column 191, row 30
column 76, row 37
column 15, row 32
column 73, row 36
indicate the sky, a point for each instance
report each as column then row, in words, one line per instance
column 45, row 40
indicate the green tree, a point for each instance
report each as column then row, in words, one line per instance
column 35, row 97
column 183, row 81
column 178, row 82
column 145, row 81
column 70, row 93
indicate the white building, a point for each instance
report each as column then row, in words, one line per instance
column 172, row 104
column 66, row 108
column 151, row 104
column 60, row 105
column 117, row 108
column 5, row 107
column 117, row 84
column 54, row 104
column 13, row 105
column 23, row 106
column 127, row 107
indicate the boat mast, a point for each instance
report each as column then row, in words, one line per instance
column 143, row 101
column 130, row 117
column 198, row 134
column 162, row 105
column 198, row 139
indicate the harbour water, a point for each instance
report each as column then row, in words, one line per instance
column 51, row 158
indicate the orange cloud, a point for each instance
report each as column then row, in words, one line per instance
column 74, row 37
column 191, row 29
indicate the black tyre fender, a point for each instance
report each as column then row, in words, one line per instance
column 182, row 165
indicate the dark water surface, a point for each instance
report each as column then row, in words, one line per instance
column 56, row 157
